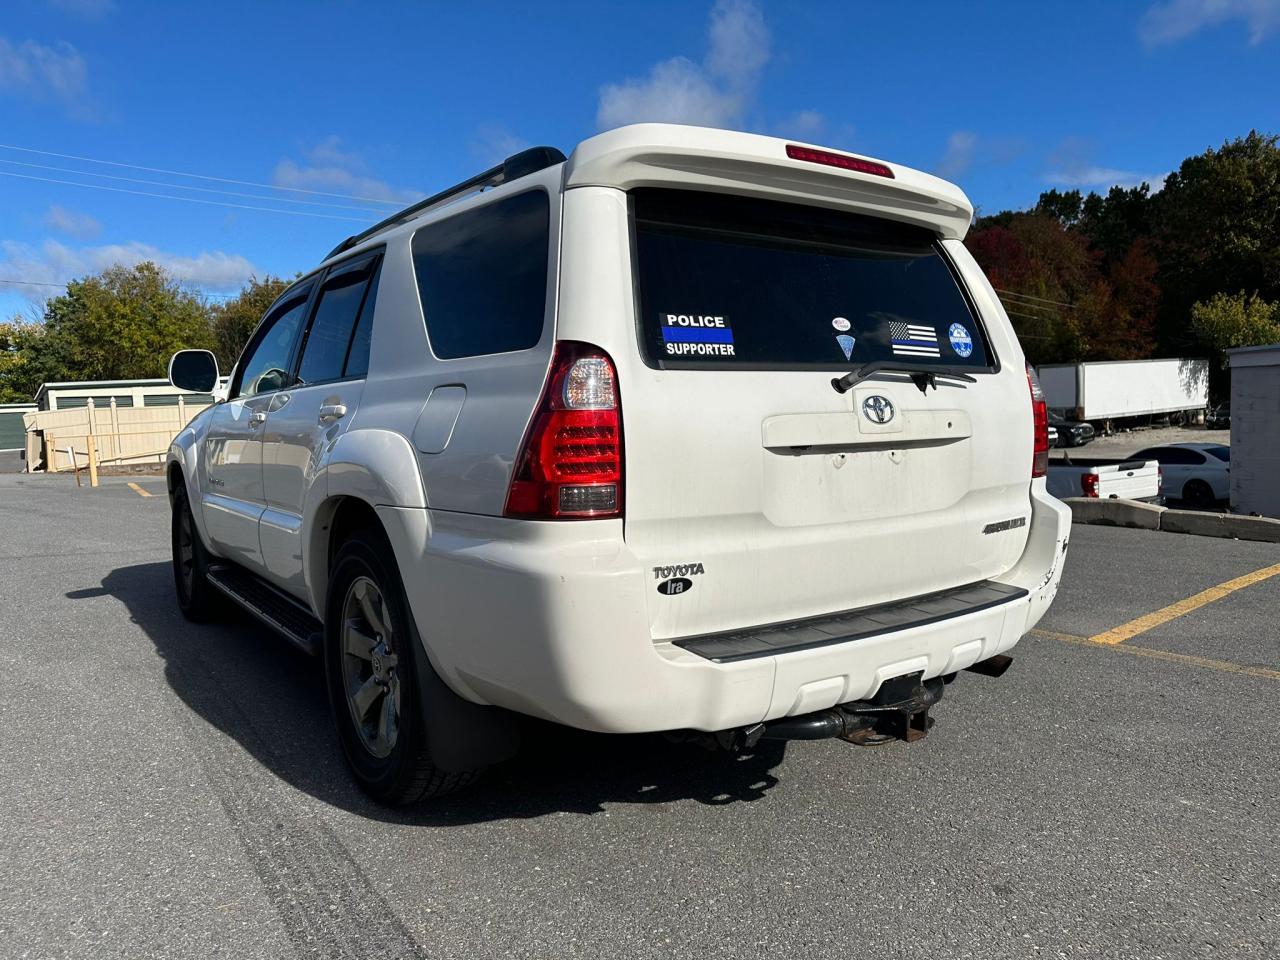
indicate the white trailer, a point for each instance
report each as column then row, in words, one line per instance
column 1112, row 390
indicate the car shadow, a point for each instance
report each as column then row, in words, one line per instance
column 269, row 697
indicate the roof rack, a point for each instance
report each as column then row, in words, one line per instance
column 515, row 166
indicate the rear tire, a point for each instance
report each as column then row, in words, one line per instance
column 197, row 599
column 373, row 663
column 1198, row 493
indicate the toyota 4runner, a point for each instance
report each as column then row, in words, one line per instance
column 693, row 431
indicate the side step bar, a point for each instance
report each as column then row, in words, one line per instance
column 279, row 611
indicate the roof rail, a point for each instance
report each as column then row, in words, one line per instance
column 515, row 166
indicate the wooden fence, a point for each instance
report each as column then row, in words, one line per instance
column 63, row 439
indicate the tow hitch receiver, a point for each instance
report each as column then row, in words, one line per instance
column 898, row 711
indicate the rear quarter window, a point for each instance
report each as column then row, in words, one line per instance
column 756, row 284
column 482, row 276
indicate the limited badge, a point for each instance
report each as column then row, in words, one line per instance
column 841, row 324
column 961, row 342
column 846, row 344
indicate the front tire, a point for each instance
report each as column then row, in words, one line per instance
column 197, row 599
column 373, row 668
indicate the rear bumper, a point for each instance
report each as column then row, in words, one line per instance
column 556, row 627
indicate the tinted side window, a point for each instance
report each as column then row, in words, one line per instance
column 358, row 355
column 266, row 364
column 482, row 277
column 325, row 353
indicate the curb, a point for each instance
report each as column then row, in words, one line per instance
column 1146, row 516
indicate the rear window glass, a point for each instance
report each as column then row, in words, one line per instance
column 755, row 284
column 482, row 277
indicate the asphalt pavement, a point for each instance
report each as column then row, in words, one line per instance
column 171, row 790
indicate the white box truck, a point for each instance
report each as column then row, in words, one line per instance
column 1114, row 390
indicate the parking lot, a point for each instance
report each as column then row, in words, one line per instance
column 171, row 790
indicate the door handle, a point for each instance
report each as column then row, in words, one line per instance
column 332, row 411
column 258, row 419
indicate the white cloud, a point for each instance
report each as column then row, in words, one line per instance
column 57, row 73
column 493, row 143
column 804, row 125
column 74, row 224
column 55, row 262
column 1175, row 20
column 961, row 147
column 715, row 93
column 329, row 167
column 88, row 9
column 1104, row 177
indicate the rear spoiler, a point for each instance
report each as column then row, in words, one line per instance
column 700, row 158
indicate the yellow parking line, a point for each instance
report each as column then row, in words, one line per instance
column 1222, row 666
column 138, row 490
column 1149, row 621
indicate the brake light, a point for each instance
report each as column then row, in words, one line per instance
column 1089, row 484
column 570, row 464
column 1040, row 427
column 810, row 155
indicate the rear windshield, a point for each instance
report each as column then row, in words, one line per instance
column 728, row 281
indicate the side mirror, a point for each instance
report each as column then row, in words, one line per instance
column 195, row 370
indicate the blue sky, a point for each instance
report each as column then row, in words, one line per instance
column 389, row 101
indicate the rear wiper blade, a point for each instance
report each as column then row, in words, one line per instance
column 922, row 375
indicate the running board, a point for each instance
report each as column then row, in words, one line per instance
column 852, row 625
column 272, row 606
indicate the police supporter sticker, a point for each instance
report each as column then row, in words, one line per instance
column 841, row 323
column 696, row 335
column 961, row 342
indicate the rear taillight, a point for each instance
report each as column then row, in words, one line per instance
column 570, row 464
column 1040, row 426
column 843, row 161
column 1089, row 484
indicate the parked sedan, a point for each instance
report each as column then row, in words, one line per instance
column 1199, row 473
column 1071, row 433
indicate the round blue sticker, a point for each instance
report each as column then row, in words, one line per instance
column 961, row 342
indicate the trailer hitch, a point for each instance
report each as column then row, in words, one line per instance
column 898, row 711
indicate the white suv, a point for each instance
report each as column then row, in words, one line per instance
column 693, row 431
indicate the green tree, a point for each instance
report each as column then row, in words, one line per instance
column 23, row 362
column 1226, row 321
column 122, row 323
column 1063, row 207
column 1217, row 228
column 234, row 320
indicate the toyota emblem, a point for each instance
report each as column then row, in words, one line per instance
column 877, row 409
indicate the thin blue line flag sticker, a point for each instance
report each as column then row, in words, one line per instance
column 696, row 335
column 961, row 342
column 846, row 344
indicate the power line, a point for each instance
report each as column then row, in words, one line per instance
column 1027, row 296
column 197, row 176
column 178, row 186
column 164, row 196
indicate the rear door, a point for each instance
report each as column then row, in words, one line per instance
column 305, row 419
column 749, row 477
